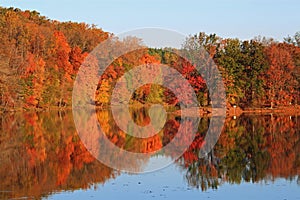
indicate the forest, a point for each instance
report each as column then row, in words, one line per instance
column 39, row 60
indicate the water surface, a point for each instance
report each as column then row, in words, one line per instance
column 42, row 157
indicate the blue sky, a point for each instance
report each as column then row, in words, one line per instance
column 227, row 18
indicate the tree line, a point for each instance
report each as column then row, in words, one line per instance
column 39, row 60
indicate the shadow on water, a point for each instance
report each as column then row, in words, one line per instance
column 41, row 153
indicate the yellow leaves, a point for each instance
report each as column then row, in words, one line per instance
column 103, row 94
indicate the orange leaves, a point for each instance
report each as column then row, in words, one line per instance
column 61, row 42
column 279, row 57
column 62, row 51
column 76, row 58
column 279, row 78
column 31, row 65
column 32, row 101
column 34, row 66
column 34, row 76
column 148, row 59
column 151, row 144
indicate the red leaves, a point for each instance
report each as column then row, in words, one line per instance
column 76, row 58
column 279, row 78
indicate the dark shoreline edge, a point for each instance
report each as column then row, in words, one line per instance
column 204, row 111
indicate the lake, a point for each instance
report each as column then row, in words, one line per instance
column 43, row 157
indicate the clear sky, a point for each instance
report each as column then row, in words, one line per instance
column 227, row 18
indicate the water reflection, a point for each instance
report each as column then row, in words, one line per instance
column 251, row 149
column 41, row 153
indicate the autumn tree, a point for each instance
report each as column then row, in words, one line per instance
column 279, row 84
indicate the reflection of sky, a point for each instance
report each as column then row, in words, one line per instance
column 170, row 183
column 232, row 18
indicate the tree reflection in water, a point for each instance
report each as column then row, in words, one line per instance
column 251, row 149
column 41, row 153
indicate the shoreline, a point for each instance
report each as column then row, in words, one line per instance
column 206, row 111
column 287, row 110
column 237, row 111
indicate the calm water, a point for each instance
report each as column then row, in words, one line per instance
column 256, row 157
